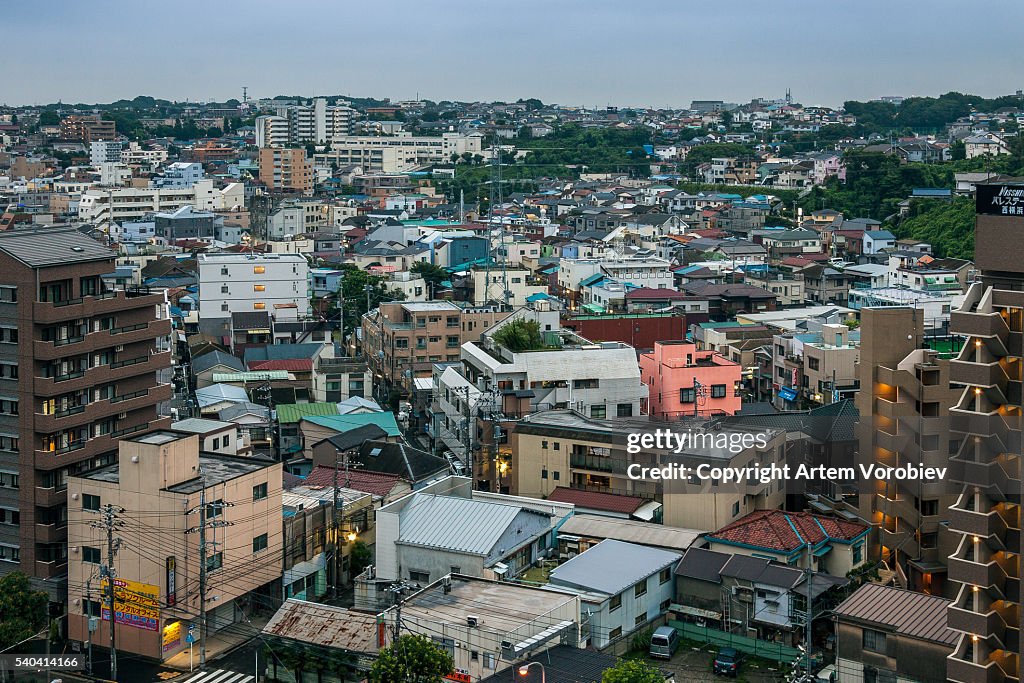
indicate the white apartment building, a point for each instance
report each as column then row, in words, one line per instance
column 318, row 123
column 237, row 283
column 136, row 154
column 489, row 284
column 398, row 153
column 104, row 152
column 133, row 203
column 597, row 380
column 180, row 174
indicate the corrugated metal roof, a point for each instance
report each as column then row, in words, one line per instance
column 343, row 423
column 611, row 566
column 596, row 500
column 459, row 524
column 288, row 413
column 254, row 376
column 908, row 613
column 52, row 247
column 318, row 624
column 629, row 530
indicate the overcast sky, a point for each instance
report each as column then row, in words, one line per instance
column 593, row 52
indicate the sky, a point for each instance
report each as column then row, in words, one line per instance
column 653, row 53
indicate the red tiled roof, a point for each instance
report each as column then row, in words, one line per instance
column 375, row 483
column 595, row 500
column 651, row 293
column 287, row 364
column 777, row 530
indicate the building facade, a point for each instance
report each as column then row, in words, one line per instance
column 243, row 283
column 80, row 367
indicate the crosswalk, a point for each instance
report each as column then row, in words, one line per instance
column 218, row 676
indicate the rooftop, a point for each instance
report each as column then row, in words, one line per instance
column 612, row 566
column 629, row 530
column 596, row 500
column 40, row 248
column 915, row 615
column 786, row 531
column 324, row 625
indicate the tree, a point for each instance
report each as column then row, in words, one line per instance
column 353, row 295
column 520, row 335
column 433, row 275
column 49, row 118
column 22, row 610
column 632, row 671
column 359, row 558
column 412, row 658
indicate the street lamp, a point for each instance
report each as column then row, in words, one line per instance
column 524, row 671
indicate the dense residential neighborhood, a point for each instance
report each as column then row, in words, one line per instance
column 332, row 388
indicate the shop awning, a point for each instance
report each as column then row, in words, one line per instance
column 787, row 393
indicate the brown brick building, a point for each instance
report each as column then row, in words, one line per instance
column 86, row 128
column 80, row 367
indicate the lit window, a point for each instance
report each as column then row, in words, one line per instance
column 259, row 288
column 259, row 270
column 259, row 305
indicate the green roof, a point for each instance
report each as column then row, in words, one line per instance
column 344, row 423
column 288, row 413
column 252, row 376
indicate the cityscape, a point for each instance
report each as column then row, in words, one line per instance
column 328, row 388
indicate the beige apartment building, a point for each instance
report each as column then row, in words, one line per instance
column 156, row 491
column 285, row 170
column 404, row 339
column 563, row 448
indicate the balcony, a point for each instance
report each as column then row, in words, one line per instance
column 52, row 533
column 988, row 326
column 969, row 613
column 893, row 409
column 51, row 569
column 49, row 497
column 984, row 574
column 45, row 312
column 978, row 374
column 102, row 339
column 992, row 668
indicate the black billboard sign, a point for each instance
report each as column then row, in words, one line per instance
column 1000, row 200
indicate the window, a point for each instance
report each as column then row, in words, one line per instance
column 214, row 509
column 227, row 440
column 9, row 479
column 556, row 475
column 489, row 660
column 452, row 321
column 214, row 562
column 640, row 619
column 640, row 589
column 91, row 555
column 624, row 410
column 585, row 384
column 544, row 474
column 8, row 371
column 259, row 270
column 259, row 288
column 735, row 508
column 421, row 343
column 258, row 305
column 858, row 553
column 259, row 543
column 930, row 540
column 216, row 443
column 930, row 508
column 615, row 603
column 687, row 395
column 9, row 335
column 446, row 644
column 402, row 343
column 259, row 492
column 91, row 608
column 717, row 391
column 874, row 640
column 8, row 294
column 598, row 411
column 419, row 576
column 812, row 363
column 615, row 633
column 10, row 517
column 223, row 289
column 665, row 576
column 452, row 342
column 90, row 502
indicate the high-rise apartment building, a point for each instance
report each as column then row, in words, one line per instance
column 285, row 169
column 295, row 125
column 86, row 129
column 986, row 423
column 904, row 400
column 80, row 367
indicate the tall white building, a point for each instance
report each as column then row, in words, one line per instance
column 318, row 123
column 239, row 283
column 104, row 152
column 180, row 174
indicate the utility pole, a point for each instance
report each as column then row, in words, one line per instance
column 203, row 556
column 107, row 522
column 809, row 626
column 338, row 518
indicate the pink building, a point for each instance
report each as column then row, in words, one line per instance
column 670, row 371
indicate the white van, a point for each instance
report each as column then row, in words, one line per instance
column 664, row 642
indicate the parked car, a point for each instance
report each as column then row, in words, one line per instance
column 664, row 642
column 727, row 662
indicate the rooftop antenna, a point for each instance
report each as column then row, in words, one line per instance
column 245, row 94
